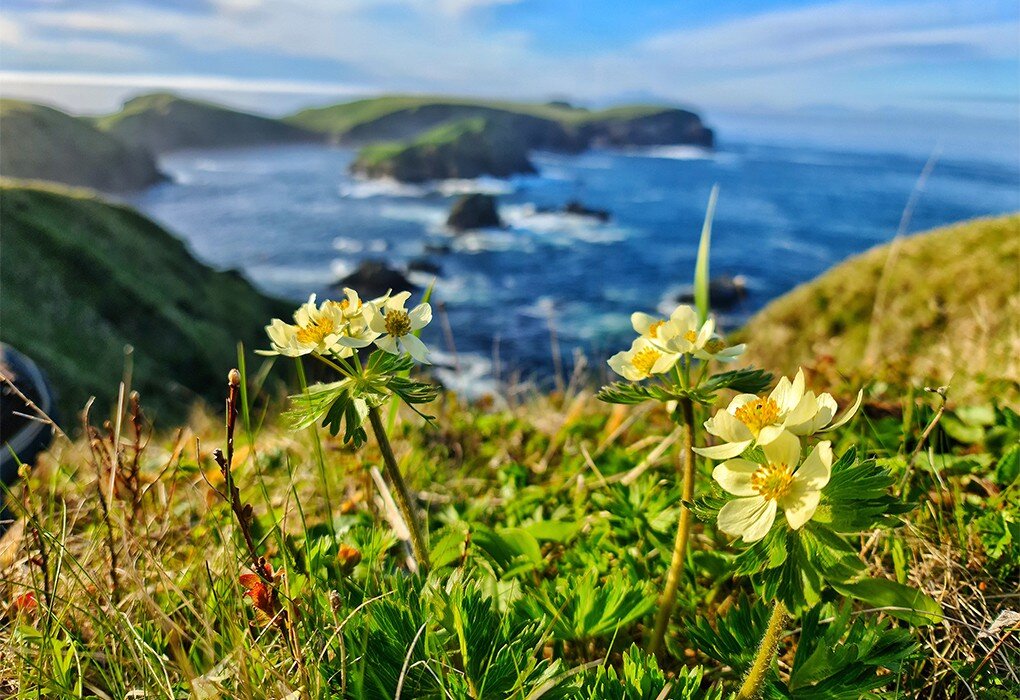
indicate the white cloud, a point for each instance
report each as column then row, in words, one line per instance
column 780, row 58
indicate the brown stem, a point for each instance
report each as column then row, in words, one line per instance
column 751, row 689
column 400, row 492
column 676, row 566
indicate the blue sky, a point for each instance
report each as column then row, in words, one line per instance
column 939, row 57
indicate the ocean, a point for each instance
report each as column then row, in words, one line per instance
column 294, row 221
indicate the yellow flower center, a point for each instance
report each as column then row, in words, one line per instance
column 715, row 345
column 773, row 481
column 691, row 337
column 653, row 330
column 316, row 332
column 757, row 414
column 398, row 323
column 644, row 360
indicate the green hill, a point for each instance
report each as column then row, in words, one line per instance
column 554, row 126
column 41, row 143
column 463, row 149
column 163, row 122
column 941, row 307
column 82, row 278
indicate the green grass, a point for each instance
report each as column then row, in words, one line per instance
column 83, row 278
column 47, row 144
column 341, row 118
column 948, row 304
column 444, row 134
column 163, row 122
column 546, row 566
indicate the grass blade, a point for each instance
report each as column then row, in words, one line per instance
column 701, row 300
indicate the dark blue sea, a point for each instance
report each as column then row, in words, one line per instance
column 294, row 221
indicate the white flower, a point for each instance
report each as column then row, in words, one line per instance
column 395, row 325
column 763, row 488
column 750, row 419
column 679, row 335
column 315, row 329
column 642, row 360
column 717, row 349
column 357, row 333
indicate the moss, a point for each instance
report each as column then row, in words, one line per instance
column 940, row 307
column 83, row 278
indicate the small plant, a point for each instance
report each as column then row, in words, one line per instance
column 335, row 333
column 794, row 560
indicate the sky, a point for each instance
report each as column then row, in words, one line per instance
column 937, row 61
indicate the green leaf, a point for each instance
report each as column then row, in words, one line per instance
column 840, row 660
column 701, row 300
column 1008, row 467
column 895, row 599
column 511, row 550
column 633, row 393
column 745, row 381
column 589, row 607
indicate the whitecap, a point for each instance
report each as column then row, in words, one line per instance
column 490, row 240
column 483, row 185
column 669, row 152
column 417, row 213
column 561, row 228
column 381, row 187
column 348, row 245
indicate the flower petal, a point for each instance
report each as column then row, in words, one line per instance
column 785, row 449
column 735, row 476
column 769, row 433
column 817, row 467
column 397, row 300
column 420, row 316
column 804, row 412
column 726, row 426
column 799, row 505
column 416, row 348
column 684, row 318
column 387, row 343
column 850, row 412
column 620, row 363
column 750, row 518
column 724, row 451
column 642, row 322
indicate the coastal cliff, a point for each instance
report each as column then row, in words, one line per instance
column 42, row 143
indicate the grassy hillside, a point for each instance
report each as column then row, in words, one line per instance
column 941, row 307
column 82, row 278
column 164, row 122
column 402, row 116
column 465, row 149
column 41, row 143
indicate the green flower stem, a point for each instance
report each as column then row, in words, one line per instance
column 400, row 492
column 676, row 566
column 751, row 689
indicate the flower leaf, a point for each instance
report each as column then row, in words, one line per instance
column 895, row 599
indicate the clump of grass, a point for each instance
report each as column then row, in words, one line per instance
column 950, row 299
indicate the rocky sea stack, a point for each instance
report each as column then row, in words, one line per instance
column 474, row 211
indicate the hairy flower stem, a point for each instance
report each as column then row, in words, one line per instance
column 751, row 689
column 400, row 492
column 676, row 566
